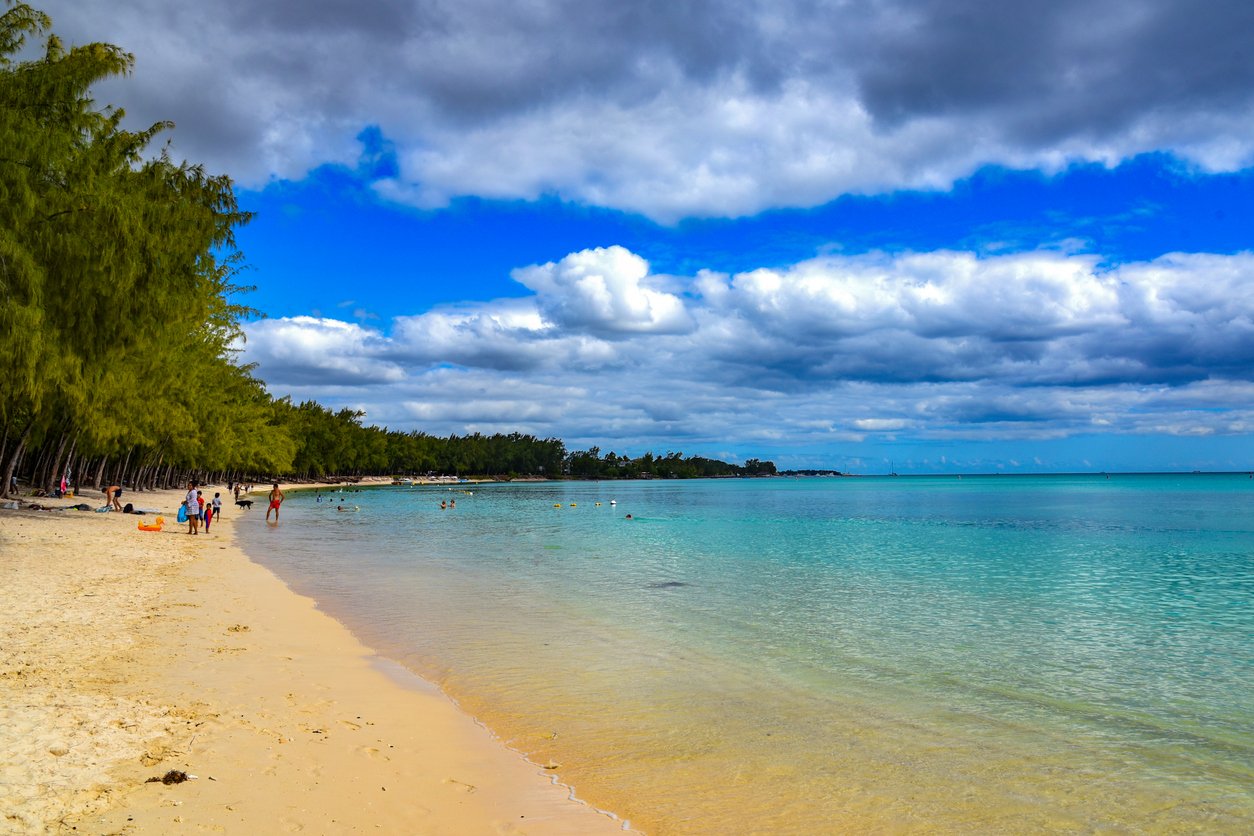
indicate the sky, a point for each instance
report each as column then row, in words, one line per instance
column 932, row 236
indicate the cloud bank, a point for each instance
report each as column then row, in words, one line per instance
column 673, row 110
column 929, row 346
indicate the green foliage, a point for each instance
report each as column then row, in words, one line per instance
column 335, row 443
column 115, row 321
column 590, row 464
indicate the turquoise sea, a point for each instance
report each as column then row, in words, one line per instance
column 825, row 655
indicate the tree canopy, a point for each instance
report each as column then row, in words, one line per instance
column 116, row 265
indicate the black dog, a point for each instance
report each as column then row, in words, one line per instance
column 246, row 504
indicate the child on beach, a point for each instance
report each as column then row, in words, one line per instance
column 217, row 504
column 208, row 517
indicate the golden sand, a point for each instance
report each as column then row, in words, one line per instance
column 126, row 654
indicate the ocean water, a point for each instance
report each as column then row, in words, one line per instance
column 826, row 655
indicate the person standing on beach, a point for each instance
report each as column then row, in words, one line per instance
column 208, row 517
column 217, row 504
column 276, row 499
column 193, row 509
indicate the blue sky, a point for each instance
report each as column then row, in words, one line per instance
column 941, row 236
column 304, row 241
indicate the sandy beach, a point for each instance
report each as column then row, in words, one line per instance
column 126, row 654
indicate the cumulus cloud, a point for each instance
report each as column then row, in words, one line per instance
column 682, row 109
column 604, row 291
column 507, row 336
column 943, row 345
column 306, row 350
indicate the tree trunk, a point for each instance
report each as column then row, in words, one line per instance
column 49, row 478
column 147, row 474
column 118, row 473
column 11, row 465
column 39, row 471
column 154, row 472
column 61, row 466
column 126, row 463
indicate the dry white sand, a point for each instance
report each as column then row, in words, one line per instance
column 126, row 654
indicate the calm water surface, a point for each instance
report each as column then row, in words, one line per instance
column 986, row 654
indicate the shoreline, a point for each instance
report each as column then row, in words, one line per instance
column 126, row 654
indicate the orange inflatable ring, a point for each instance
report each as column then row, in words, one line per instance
column 156, row 526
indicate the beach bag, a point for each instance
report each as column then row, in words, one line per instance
column 183, row 513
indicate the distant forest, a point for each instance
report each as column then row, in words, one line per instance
column 117, row 275
column 335, row 444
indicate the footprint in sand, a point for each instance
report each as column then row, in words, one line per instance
column 154, row 756
column 461, row 785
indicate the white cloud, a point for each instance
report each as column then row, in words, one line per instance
column 691, row 109
column 507, row 335
column 940, row 294
column 879, row 424
column 307, row 350
column 603, row 291
column 941, row 345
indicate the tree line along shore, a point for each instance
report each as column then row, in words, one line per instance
column 120, row 317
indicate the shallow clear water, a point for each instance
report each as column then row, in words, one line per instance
column 816, row 655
